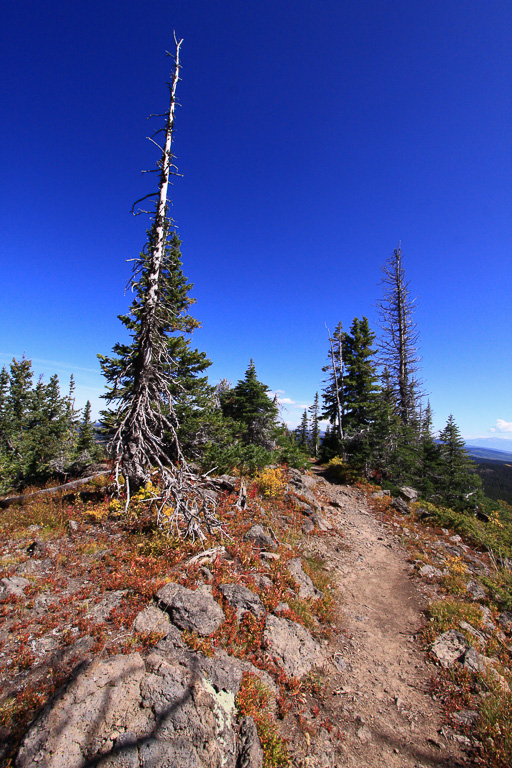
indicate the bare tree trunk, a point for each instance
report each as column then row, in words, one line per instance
column 336, row 388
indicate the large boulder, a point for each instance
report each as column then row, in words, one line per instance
column 195, row 611
column 175, row 708
column 291, row 646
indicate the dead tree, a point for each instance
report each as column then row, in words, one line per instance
column 399, row 342
column 143, row 427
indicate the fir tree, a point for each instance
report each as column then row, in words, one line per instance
column 360, row 381
column 460, row 486
column 429, row 458
column 86, row 442
column 302, row 432
column 249, row 404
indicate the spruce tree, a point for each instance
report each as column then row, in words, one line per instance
column 86, row 442
column 459, row 483
column 360, row 381
column 248, row 404
column 302, row 432
column 314, row 430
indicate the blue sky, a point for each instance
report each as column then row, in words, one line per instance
column 312, row 136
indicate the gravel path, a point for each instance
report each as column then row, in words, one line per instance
column 380, row 695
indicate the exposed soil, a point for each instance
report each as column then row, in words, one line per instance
column 379, row 698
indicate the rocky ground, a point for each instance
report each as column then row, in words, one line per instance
column 307, row 637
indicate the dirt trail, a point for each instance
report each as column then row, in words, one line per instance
column 380, row 695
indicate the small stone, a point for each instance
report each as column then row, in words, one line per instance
column 476, row 590
column 466, row 717
column 306, row 586
column 429, row 572
column 401, row 506
column 258, row 536
column 450, row 647
column 408, row 494
column 291, row 645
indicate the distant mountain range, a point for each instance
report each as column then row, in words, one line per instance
column 490, row 448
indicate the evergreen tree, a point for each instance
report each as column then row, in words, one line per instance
column 360, row 381
column 86, row 442
column 399, row 342
column 314, row 431
column 152, row 382
column 249, row 404
column 459, row 484
column 302, row 432
column 430, row 458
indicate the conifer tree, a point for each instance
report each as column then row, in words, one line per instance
column 86, row 442
column 360, row 381
column 314, row 430
column 399, row 342
column 147, row 378
column 459, row 484
column 302, row 431
column 249, row 404
column 429, row 464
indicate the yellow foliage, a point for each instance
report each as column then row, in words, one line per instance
column 271, row 482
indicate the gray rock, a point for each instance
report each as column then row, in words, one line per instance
column 122, row 713
column 195, row 611
column 291, row 645
column 308, row 527
column 487, row 619
column 476, row 590
column 408, row 494
column 15, row 585
column 321, row 522
column 257, row 535
column 306, row 586
column 242, row 599
column 450, row 647
column 281, row 608
column 401, row 506
column 473, row 632
column 152, row 619
column 429, row 572
column 250, row 751
column 505, row 620
column 466, row 717
column 102, row 610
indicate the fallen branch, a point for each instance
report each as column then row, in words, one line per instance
column 4, row 503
